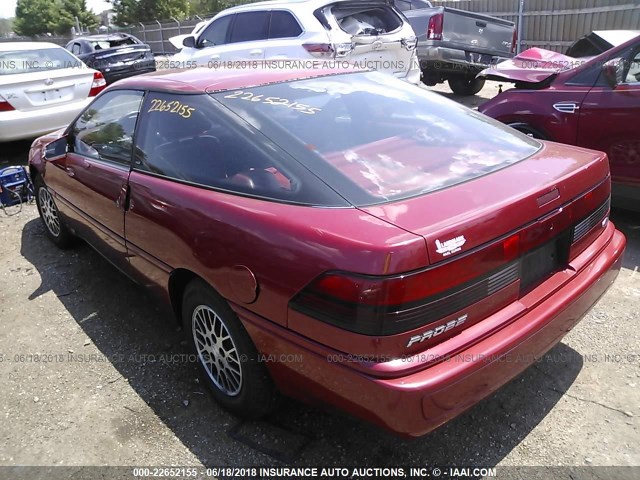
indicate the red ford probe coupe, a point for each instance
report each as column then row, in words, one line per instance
column 342, row 238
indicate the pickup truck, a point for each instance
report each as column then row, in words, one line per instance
column 455, row 45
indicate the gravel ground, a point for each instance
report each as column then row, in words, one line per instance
column 112, row 390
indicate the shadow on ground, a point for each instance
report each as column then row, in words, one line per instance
column 14, row 153
column 123, row 322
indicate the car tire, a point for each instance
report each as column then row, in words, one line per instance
column 227, row 358
column 466, row 85
column 53, row 222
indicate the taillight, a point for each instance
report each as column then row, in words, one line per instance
column 434, row 29
column 321, row 50
column 385, row 305
column 4, row 105
column 98, row 84
column 514, row 41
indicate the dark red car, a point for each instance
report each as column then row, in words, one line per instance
column 343, row 238
column 589, row 102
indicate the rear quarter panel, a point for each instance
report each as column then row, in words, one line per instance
column 174, row 225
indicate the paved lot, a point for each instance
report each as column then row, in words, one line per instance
column 113, row 390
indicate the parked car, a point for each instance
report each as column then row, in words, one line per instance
column 178, row 40
column 372, row 34
column 455, row 45
column 599, row 41
column 343, row 238
column 42, row 88
column 116, row 55
column 592, row 103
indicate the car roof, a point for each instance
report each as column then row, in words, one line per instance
column 11, row 46
column 207, row 80
column 308, row 4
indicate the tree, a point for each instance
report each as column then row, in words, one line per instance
column 134, row 11
column 34, row 17
column 68, row 10
column 207, row 7
column 6, row 26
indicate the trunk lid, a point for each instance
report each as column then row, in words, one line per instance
column 117, row 56
column 462, row 217
column 477, row 32
column 46, row 88
column 534, row 65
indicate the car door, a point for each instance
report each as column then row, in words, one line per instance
column 609, row 120
column 91, row 183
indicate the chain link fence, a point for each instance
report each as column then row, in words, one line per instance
column 550, row 24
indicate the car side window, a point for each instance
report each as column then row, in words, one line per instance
column 216, row 33
column 75, row 48
column 633, row 74
column 187, row 138
column 283, row 25
column 105, row 129
column 250, row 26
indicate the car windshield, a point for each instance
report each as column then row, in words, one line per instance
column 26, row 61
column 374, row 138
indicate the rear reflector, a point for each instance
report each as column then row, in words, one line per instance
column 4, row 105
column 98, row 84
column 595, row 219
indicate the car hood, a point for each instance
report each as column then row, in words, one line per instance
column 600, row 41
column 531, row 66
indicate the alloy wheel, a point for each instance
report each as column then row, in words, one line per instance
column 216, row 350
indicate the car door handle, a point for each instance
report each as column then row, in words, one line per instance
column 70, row 171
column 255, row 52
column 214, row 57
column 566, row 107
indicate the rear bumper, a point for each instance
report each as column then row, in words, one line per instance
column 19, row 125
column 455, row 60
column 416, row 403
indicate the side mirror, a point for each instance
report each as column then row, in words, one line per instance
column 613, row 72
column 189, row 42
column 56, row 150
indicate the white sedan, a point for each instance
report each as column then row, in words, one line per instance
column 43, row 87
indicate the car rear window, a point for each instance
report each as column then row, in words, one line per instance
column 374, row 138
column 26, row 61
column 111, row 43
